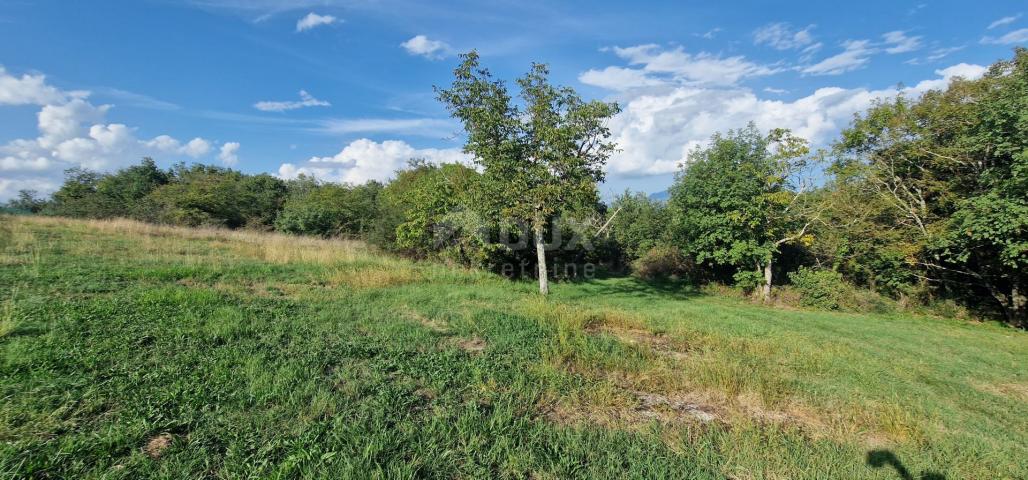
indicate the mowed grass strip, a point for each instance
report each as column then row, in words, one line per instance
column 130, row 351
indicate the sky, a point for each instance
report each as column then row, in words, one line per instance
column 343, row 89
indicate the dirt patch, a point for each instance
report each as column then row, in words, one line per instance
column 156, row 446
column 635, row 409
column 473, row 345
column 656, row 405
column 658, row 343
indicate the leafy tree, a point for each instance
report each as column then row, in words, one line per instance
column 78, row 196
column 437, row 213
column 739, row 200
column 325, row 209
column 638, row 223
column 27, row 201
column 130, row 184
column 951, row 168
column 540, row 158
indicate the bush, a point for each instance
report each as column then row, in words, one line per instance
column 823, row 289
column 662, row 263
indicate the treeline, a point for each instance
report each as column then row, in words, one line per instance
column 920, row 201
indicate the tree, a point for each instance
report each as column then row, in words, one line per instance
column 951, row 167
column 638, row 223
column 327, row 209
column 27, row 201
column 540, row 158
column 736, row 202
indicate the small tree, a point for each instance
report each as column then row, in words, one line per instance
column 738, row 201
column 539, row 159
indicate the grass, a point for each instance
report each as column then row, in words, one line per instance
column 132, row 351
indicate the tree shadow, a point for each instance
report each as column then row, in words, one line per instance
column 625, row 286
column 882, row 458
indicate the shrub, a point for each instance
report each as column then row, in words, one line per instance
column 662, row 263
column 824, row 289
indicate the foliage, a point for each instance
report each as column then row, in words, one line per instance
column 325, row 209
column 639, row 223
column 539, row 160
column 737, row 201
column 27, row 202
column 949, row 171
column 204, row 195
column 822, row 289
column 663, row 263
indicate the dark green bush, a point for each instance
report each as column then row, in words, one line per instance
column 823, row 289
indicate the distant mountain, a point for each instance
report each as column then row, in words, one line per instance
column 662, row 196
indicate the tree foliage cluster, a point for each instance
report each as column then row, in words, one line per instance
column 920, row 199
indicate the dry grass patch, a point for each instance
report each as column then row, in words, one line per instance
column 156, row 446
column 473, row 345
column 433, row 324
column 1014, row 391
column 658, row 343
column 375, row 277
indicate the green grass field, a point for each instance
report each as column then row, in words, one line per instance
column 132, row 351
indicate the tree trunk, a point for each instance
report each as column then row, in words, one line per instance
column 1018, row 315
column 765, row 292
column 540, row 253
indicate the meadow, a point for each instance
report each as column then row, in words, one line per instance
column 130, row 350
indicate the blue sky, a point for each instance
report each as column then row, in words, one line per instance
column 343, row 89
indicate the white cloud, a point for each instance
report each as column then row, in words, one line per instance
column 1016, row 36
column 229, row 154
column 855, row 54
column 776, row 91
column 709, row 34
column 780, row 36
column 660, row 125
column 27, row 90
column 899, row 42
column 72, row 133
column 428, row 48
column 364, row 160
column 1004, row 21
column 676, row 65
column 306, row 100
column 618, row 78
column 313, row 20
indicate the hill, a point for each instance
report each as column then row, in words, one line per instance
column 131, row 350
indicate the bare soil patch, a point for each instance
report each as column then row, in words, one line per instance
column 156, row 446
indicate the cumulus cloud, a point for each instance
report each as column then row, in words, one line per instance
column 306, row 100
column 1011, row 38
column 313, row 20
column 855, row 54
column 660, row 125
column 229, row 154
column 1004, row 21
column 781, row 36
column 28, row 90
column 656, row 65
column 426, row 47
column 72, row 133
column 363, row 160
column 898, row 42
column 618, row 78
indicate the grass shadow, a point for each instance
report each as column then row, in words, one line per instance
column 633, row 287
column 882, row 458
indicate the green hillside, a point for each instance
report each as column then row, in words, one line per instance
column 130, row 350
